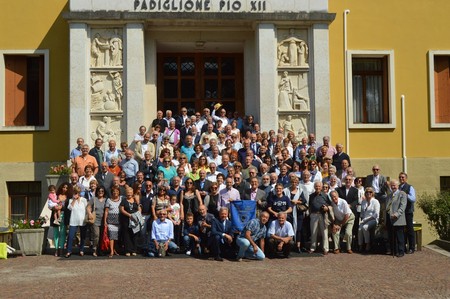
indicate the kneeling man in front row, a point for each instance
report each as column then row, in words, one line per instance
column 281, row 235
column 254, row 231
column 222, row 236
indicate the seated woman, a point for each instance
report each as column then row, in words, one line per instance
column 370, row 213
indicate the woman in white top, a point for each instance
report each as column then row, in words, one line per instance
column 77, row 205
column 88, row 176
column 370, row 213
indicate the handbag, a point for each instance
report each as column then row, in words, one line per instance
column 302, row 207
column 91, row 217
column 104, row 244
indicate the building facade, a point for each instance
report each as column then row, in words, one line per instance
column 371, row 76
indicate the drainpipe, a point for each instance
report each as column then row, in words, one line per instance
column 405, row 161
column 347, row 130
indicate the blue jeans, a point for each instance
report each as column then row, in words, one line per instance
column 154, row 252
column 189, row 243
column 246, row 250
column 72, row 231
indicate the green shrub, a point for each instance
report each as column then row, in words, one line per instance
column 437, row 208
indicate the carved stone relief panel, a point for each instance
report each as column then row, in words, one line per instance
column 292, row 48
column 106, row 127
column 106, row 91
column 106, row 47
column 295, row 123
column 293, row 91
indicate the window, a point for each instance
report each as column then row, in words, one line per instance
column 196, row 80
column 439, row 77
column 25, row 90
column 445, row 183
column 24, row 200
column 371, row 96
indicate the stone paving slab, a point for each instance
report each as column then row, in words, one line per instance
column 425, row 274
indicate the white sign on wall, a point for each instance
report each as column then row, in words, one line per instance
column 221, row 6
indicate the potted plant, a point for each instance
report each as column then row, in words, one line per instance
column 58, row 174
column 437, row 208
column 30, row 235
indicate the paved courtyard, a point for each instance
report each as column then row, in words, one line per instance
column 425, row 274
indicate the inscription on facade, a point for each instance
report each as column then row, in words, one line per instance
column 200, row 5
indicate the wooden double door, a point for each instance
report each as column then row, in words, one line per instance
column 198, row 80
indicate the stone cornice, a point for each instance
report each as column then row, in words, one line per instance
column 304, row 17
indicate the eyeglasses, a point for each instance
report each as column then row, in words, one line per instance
column 213, row 188
column 166, row 161
column 368, row 192
column 183, row 158
column 237, row 178
column 376, row 169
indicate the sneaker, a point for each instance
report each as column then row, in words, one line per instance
column 188, row 252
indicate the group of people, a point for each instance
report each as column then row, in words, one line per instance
column 174, row 190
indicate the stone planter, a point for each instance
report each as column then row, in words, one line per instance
column 30, row 240
column 56, row 179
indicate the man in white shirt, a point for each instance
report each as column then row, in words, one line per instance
column 343, row 218
column 212, row 174
column 281, row 235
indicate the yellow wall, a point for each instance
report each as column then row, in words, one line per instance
column 411, row 29
column 29, row 25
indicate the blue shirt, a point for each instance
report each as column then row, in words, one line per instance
column 188, row 151
column 193, row 230
column 169, row 173
column 162, row 230
column 256, row 228
column 75, row 153
column 279, row 204
column 130, row 167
